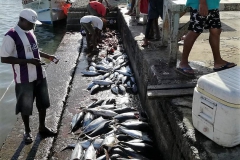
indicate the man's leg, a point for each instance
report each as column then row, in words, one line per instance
column 147, row 32
column 25, row 119
column 214, row 41
column 42, row 103
column 42, row 117
column 188, row 44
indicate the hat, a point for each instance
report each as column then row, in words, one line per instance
column 30, row 15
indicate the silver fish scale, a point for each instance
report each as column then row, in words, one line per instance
column 93, row 125
column 90, row 153
column 135, row 134
column 77, row 152
column 102, row 112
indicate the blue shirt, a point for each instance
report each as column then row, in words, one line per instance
column 212, row 4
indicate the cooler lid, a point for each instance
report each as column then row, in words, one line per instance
column 224, row 85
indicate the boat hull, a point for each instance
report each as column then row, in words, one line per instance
column 48, row 11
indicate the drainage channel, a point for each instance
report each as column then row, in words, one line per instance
column 103, row 117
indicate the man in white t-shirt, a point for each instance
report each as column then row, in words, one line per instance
column 19, row 48
column 93, row 26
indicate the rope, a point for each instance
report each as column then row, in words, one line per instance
column 6, row 90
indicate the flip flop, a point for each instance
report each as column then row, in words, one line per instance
column 47, row 132
column 226, row 66
column 27, row 137
column 183, row 71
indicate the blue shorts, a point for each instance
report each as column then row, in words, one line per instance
column 198, row 22
column 27, row 92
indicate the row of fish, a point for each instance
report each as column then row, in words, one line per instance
column 107, row 130
column 113, row 70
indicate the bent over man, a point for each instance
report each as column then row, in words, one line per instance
column 93, row 26
column 20, row 49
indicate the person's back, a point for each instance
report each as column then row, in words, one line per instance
column 98, row 7
column 96, row 21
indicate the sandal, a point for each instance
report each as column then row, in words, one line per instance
column 47, row 132
column 226, row 66
column 27, row 137
column 185, row 71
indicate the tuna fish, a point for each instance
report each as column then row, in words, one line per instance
column 135, row 134
column 101, row 129
column 90, row 73
column 124, row 116
column 136, row 125
column 94, row 89
column 90, row 153
column 103, row 82
column 77, row 153
column 93, row 125
column 76, row 121
column 101, row 112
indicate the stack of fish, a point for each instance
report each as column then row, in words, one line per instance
column 107, row 130
column 112, row 69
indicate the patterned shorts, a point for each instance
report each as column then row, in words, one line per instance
column 198, row 22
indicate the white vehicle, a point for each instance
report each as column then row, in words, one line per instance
column 48, row 11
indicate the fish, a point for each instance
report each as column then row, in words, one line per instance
column 131, row 153
column 94, row 89
column 123, row 137
column 136, row 125
column 92, row 68
column 128, row 115
column 124, row 109
column 90, row 73
column 90, row 153
column 110, row 140
column 103, row 67
column 77, row 153
column 107, row 106
column 122, row 89
column 88, row 118
column 106, row 75
column 139, row 147
column 93, row 125
column 101, row 112
column 90, row 86
column 96, row 103
column 76, row 121
column 124, row 79
column 114, row 89
column 135, row 133
column 134, row 88
column 101, row 129
column 97, row 143
column 103, row 82
column 125, row 73
column 115, row 156
column 133, row 79
column 103, row 157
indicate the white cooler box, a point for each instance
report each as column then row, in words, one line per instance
column 216, row 106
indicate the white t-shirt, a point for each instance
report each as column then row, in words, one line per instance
column 96, row 21
column 22, row 44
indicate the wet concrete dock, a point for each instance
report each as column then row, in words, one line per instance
column 170, row 116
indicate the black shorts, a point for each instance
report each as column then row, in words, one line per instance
column 198, row 22
column 27, row 92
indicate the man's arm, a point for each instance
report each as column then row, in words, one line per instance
column 47, row 56
column 14, row 60
column 203, row 8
